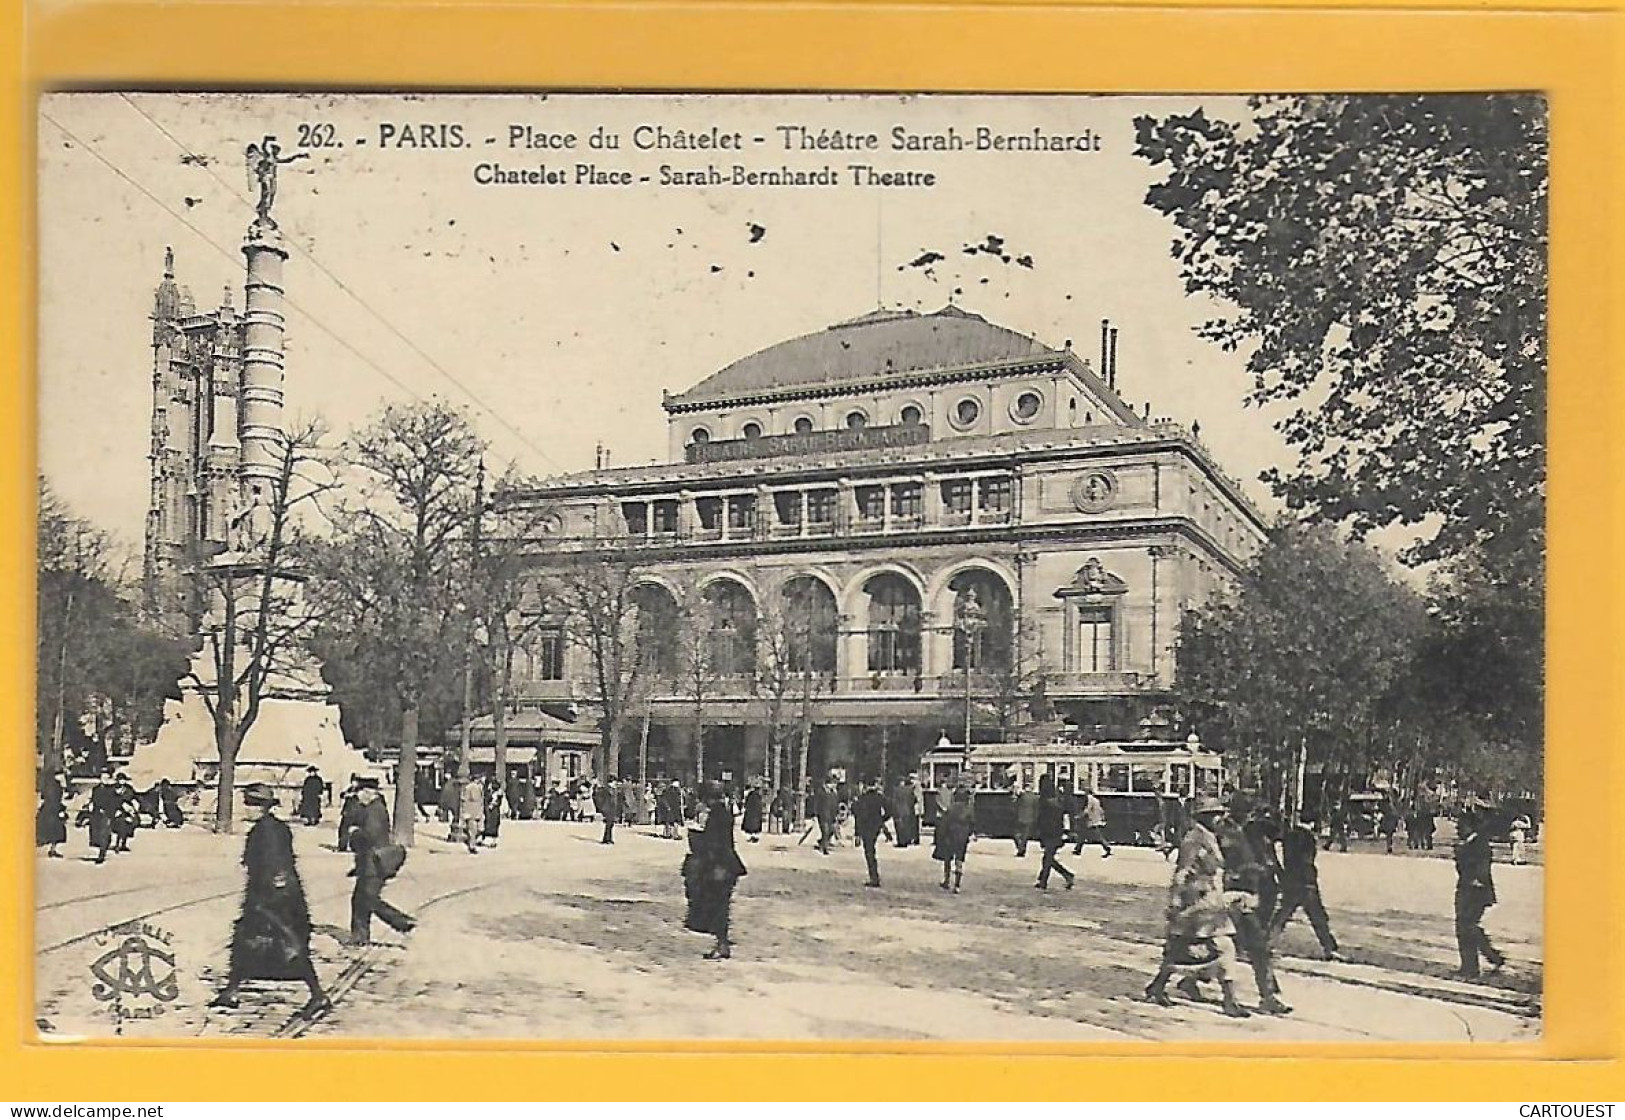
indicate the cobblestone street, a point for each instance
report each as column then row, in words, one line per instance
column 553, row 935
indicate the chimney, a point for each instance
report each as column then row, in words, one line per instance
column 598, row 457
column 1105, row 331
column 1111, row 378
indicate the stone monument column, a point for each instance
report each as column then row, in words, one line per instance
column 260, row 412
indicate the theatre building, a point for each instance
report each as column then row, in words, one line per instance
column 869, row 536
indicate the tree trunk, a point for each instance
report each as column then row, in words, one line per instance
column 227, row 743
column 499, row 720
column 406, row 773
column 643, row 748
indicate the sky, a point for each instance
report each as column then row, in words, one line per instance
column 557, row 314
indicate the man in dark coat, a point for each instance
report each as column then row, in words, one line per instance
column 607, row 802
column 1475, row 893
column 169, row 804
column 99, row 815
column 369, row 833
column 310, row 797
column 1026, row 819
column 1263, row 832
column 126, row 817
column 271, row 938
column 1051, row 832
column 827, row 806
column 1300, row 886
column 1244, row 874
column 905, row 812
column 869, row 816
column 349, row 814
column 669, row 806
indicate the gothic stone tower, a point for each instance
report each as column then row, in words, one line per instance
column 216, row 417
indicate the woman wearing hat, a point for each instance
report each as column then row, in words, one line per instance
column 271, row 939
column 710, row 871
column 1199, row 925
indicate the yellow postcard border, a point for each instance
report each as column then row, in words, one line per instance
column 1571, row 51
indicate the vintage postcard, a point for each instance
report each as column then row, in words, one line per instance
column 791, row 567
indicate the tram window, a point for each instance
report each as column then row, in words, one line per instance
column 944, row 773
column 1063, row 777
column 1029, row 779
column 1146, row 777
column 1181, row 779
column 1209, row 779
column 1004, row 777
column 1114, row 777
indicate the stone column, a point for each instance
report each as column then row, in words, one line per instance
column 260, row 414
column 688, row 516
column 931, row 499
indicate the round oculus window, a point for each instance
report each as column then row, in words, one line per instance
column 1026, row 406
column 910, row 415
column 967, row 412
column 856, row 420
column 699, row 435
column 803, row 426
column 753, row 430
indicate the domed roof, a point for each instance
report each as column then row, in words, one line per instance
column 871, row 346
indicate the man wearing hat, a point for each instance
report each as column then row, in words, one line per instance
column 1475, row 890
column 1300, row 886
column 369, row 833
column 1199, row 925
column 271, row 938
column 103, row 807
column 310, row 796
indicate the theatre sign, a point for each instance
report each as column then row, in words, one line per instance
column 809, row 443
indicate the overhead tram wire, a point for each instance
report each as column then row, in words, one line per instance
column 229, row 255
column 347, row 290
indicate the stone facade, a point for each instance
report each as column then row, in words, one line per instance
column 899, row 495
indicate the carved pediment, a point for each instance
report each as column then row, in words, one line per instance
column 1092, row 580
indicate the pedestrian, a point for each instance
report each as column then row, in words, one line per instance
column 1093, row 825
column 424, row 795
column 99, row 814
column 1518, row 834
column 471, row 813
column 374, row 854
column 671, row 810
column 952, row 841
column 751, row 817
column 1198, row 925
column 869, row 816
column 1389, row 825
column 126, row 817
column 651, row 804
column 491, row 818
column 1246, row 880
column 710, row 871
column 1427, row 823
column 271, row 937
column 1051, row 828
column 1475, row 892
column 778, row 811
column 826, row 809
column 905, row 812
column 1026, row 818
column 1172, row 816
column 1263, row 832
column 1300, row 886
column 310, row 797
column 446, row 806
column 349, row 813
column 1338, row 833
column 169, row 804
column 50, row 819
column 605, row 799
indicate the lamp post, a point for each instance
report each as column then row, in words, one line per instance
column 970, row 619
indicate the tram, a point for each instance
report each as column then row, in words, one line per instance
column 1131, row 779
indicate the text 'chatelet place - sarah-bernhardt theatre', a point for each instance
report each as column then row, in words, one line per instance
column 883, row 531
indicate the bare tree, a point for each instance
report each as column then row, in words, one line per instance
column 797, row 642
column 597, row 591
column 257, row 623
column 402, row 568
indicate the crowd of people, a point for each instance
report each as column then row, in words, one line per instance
column 1240, row 873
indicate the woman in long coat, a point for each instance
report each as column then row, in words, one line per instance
column 271, row 938
column 751, row 819
column 710, row 871
column 51, row 821
column 1199, row 925
column 953, row 836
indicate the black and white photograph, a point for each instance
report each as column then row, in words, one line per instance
column 732, row 566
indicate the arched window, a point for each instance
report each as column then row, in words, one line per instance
column 811, row 624
column 730, row 615
column 856, row 420
column 699, row 435
column 657, row 628
column 984, row 621
column 752, row 430
column 894, row 624
column 803, row 425
column 910, row 414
